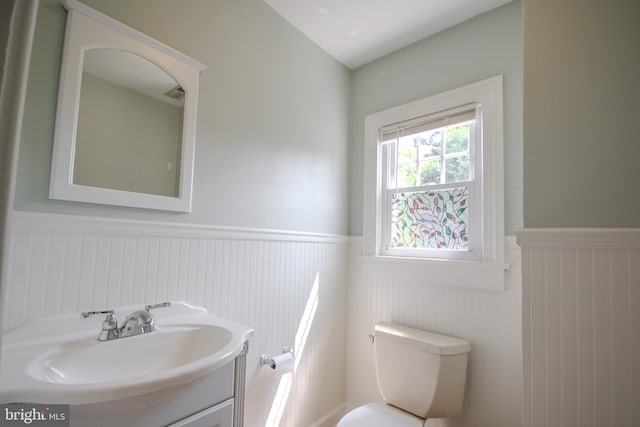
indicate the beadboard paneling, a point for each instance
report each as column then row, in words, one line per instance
column 581, row 327
column 261, row 278
column 490, row 320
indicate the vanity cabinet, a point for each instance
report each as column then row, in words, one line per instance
column 220, row 415
column 209, row 401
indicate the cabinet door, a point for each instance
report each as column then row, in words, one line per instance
column 220, row 415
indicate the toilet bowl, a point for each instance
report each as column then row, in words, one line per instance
column 420, row 374
column 377, row 415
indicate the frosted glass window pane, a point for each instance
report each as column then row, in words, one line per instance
column 431, row 219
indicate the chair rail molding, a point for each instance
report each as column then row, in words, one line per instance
column 579, row 237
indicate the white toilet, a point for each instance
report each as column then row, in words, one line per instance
column 420, row 375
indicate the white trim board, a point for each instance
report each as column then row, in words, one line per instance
column 61, row 223
column 337, row 412
column 488, row 276
column 579, row 237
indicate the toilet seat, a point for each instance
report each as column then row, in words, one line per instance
column 377, row 415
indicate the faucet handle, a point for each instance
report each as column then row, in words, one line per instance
column 86, row 314
column 160, row 305
column 109, row 324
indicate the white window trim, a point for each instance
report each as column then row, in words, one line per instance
column 487, row 93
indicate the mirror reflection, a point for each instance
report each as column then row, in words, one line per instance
column 129, row 128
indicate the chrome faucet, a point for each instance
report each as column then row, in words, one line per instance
column 138, row 322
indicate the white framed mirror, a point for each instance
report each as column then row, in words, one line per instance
column 126, row 117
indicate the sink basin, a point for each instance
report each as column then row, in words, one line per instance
column 73, row 367
column 90, row 361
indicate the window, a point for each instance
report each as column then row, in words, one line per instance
column 428, row 184
column 434, row 177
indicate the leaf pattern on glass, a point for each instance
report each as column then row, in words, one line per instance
column 435, row 219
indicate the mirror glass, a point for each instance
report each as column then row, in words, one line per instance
column 129, row 128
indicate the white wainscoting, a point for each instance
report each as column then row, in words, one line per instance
column 581, row 327
column 490, row 320
column 64, row 264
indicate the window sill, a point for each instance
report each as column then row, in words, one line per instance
column 468, row 274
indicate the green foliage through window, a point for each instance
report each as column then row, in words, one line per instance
column 436, row 156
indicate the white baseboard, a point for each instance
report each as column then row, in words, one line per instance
column 331, row 418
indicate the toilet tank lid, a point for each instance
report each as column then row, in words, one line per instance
column 431, row 341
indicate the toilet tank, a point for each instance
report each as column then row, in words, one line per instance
column 421, row 372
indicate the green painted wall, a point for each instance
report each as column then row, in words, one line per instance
column 581, row 109
column 272, row 133
column 579, row 106
column 482, row 47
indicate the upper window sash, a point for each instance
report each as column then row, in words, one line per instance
column 392, row 163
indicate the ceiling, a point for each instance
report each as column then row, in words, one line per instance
column 356, row 32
